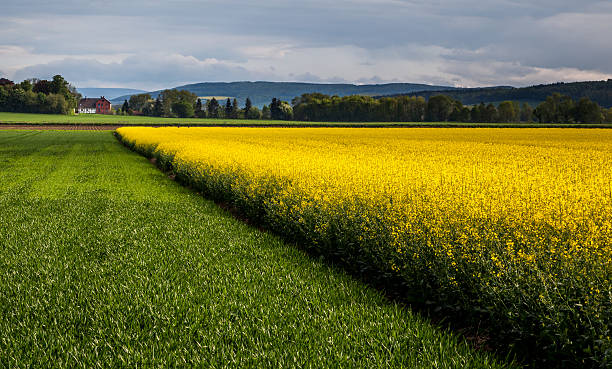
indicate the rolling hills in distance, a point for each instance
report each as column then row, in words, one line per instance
column 262, row 92
column 598, row 91
column 109, row 93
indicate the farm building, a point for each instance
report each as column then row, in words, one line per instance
column 94, row 106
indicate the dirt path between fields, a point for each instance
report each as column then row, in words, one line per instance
column 62, row 127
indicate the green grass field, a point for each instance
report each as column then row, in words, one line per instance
column 105, row 262
column 99, row 119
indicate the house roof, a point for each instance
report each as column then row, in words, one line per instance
column 90, row 102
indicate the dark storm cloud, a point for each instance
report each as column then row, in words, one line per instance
column 522, row 42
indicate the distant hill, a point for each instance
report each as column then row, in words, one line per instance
column 598, row 91
column 109, row 93
column 262, row 92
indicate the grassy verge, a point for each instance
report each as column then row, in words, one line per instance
column 97, row 119
column 106, row 262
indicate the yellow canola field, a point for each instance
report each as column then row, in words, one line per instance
column 505, row 220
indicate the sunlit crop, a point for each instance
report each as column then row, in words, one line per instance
column 105, row 263
column 515, row 224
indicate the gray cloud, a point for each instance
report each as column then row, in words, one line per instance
column 149, row 71
column 468, row 42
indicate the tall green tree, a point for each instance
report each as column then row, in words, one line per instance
column 439, row 108
column 460, row 113
column 200, row 109
column 213, row 108
column 587, row 111
column 265, row 112
column 567, row 110
column 228, row 108
column 26, row 85
column 477, row 113
column 254, row 113
column 247, row 107
column 489, row 114
column 43, row 86
column 183, row 109
column 285, row 110
column 556, row 109
column 59, row 85
column 169, row 97
column 526, row 113
column 235, row 109
column 125, row 108
column 275, row 108
column 158, row 107
column 508, row 112
column 137, row 102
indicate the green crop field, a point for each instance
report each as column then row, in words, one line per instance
column 99, row 119
column 105, row 262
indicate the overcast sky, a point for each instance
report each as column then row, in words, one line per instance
column 158, row 44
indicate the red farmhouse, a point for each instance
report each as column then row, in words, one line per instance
column 94, row 106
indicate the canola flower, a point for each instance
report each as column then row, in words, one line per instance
column 516, row 223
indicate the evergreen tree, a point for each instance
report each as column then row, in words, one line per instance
column 234, row 112
column 228, row 108
column 200, row 111
column 247, row 107
column 213, row 108
column 275, row 111
column 126, row 107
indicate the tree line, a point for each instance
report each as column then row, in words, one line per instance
column 38, row 96
column 556, row 108
column 184, row 104
column 319, row 107
column 59, row 97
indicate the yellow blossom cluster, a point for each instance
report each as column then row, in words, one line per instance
column 505, row 219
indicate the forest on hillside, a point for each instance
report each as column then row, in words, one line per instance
column 597, row 91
